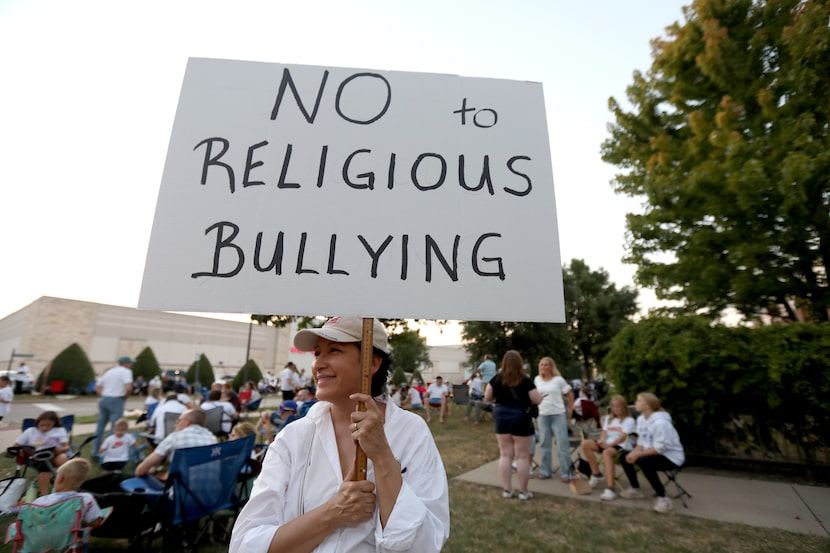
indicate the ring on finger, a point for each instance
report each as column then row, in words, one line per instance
column 354, row 427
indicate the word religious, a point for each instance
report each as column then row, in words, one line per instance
column 215, row 149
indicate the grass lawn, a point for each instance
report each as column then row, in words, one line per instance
column 483, row 522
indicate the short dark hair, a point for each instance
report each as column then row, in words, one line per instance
column 382, row 375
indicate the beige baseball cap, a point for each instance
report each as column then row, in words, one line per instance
column 341, row 329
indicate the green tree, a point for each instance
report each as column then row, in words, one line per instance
column 728, row 146
column 532, row 340
column 398, row 376
column 72, row 367
column 409, row 350
column 249, row 371
column 146, row 364
column 595, row 312
column 205, row 372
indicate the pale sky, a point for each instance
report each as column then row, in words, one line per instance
column 90, row 90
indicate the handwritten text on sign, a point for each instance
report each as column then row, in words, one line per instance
column 307, row 190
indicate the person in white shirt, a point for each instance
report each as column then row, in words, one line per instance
column 214, row 401
column 113, row 388
column 474, row 388
column 416, row 401
column 437, row 393
column 289, row 381
column 154, row 384
column 553, row 419
column 616, row 429
column 6, row 396
column 115, row 450
column 171, row 404
column 476, row 397
column 273, row 382
column 308, row 496
column 658, row 448
column 68, row 479
column 182, row 395
column 47, row 433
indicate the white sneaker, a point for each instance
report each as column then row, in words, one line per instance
column 632, row 493
column 524, row 496
column 507, row 494
column 608, row 495
column 663, row 505
column 596, row 481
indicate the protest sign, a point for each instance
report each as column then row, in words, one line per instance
column 304, row 190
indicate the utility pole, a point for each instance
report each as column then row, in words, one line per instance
column 247, row 351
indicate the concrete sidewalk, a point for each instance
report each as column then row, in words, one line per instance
column 798, row 508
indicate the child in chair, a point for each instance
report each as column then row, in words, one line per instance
column 115, row 450
column 69, row 478
column 47, row 433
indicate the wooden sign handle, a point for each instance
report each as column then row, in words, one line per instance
column 367, row 337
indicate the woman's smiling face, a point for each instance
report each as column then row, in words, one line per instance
column 336, row 369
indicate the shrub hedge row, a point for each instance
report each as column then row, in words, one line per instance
column 751, row 393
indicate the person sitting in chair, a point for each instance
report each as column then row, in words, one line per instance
column 614, row 441
column 190, row 432
column 68, row 479
column 658, row 448
column 47, row 433
column 437, row 394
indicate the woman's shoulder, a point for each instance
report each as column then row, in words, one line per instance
column 401, row 419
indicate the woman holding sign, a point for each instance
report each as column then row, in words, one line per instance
column 307, row 497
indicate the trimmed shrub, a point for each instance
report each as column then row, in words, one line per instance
column 146, row 365
column 205, row 370
column 72, row 368
column 249, row 371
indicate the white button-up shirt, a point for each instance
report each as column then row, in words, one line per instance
column 301, row 471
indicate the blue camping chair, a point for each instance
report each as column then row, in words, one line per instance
column 27, row 456
column 253, row 405
column 201, row 482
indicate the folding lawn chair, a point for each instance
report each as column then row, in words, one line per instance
column 213, row 422
column 68, row 423
column 679, row 491
column 57, row 527
column 201, row 484
column 170, row 420
column 11, row 490
column 253, row 405
column 460, row 394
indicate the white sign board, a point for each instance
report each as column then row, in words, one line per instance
column 300, row 190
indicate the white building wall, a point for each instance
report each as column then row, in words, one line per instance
column 105, row 332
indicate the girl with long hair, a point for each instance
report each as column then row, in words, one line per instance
column 553, row 418
column 513, row 392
